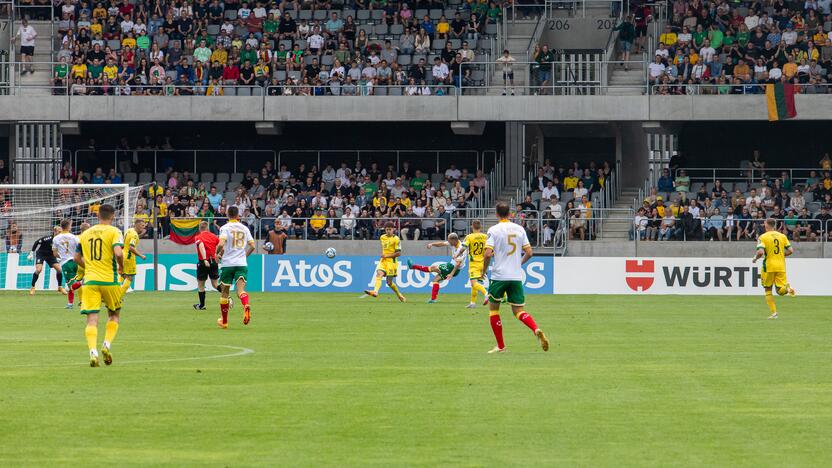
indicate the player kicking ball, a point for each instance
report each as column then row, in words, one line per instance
column 445, row 270
column 235, row 245
column 388, row 266
column 773, row 248
column 506, row 250
column 64, row 246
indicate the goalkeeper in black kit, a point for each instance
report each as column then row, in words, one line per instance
column 42, row 252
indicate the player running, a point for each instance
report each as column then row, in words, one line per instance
column 773, row 247
column 474, row 244
column 234, row 247
column 206, row 265
column 42, row 252
column 507, row 249
column 388, row 266
column 445, row 270
column 131, row 240
column 100, row 252
column 76, row 283
column 64, row 246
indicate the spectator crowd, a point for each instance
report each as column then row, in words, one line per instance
column 312, row 47
column 677, row 210
column 734, row 47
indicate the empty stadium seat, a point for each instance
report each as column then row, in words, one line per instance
column 237, row 177
column 206, row 177
column 223, row 177
column 130, row 178
column 145, row 178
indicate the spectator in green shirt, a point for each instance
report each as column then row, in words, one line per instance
column 418, row 181
column 95, row 69
column 143, row 42
column 270, row 25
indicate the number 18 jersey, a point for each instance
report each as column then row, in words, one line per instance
column 234, row 236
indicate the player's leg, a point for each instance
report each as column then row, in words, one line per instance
column 112, row 299
column 517, row 298
column 377, row 282
column 413, row 266
column 35, row 276
column 767, row 280
column 391, row 283
column 496, row 289
column 201, row 277
column 69, row 269
column 782, row 284
column 226, row 280
column 92, row 301
column 243, row 295
column 127, row 281
column 434, row 287
column 59, row 277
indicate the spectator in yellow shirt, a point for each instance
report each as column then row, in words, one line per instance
column 316, row 225
column 110, row 70
column 570, row 181
column 79, row 70
column 668, row 37
column 99, row 12
column 790, row 68
column 129, row 41
column 95, row 28
column 442, row 28
column 660, row 208
column 220, row 55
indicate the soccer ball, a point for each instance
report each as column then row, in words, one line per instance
column 330, row 252
column 268, row 246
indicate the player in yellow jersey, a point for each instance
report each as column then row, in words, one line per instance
column 474, row 244
column 773, row 247
column 131, row 241
column 388, row 266
column 100, row 253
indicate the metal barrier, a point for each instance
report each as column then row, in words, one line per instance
column 743, row 174
column 695, row 89
column 151, row 158
column 442, row 157
column 577, row 8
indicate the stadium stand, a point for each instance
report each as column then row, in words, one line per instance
column 288, row 48
column 736, row 48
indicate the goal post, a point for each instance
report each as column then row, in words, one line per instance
column 29, row 212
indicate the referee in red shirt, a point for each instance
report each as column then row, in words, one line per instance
column 206, row 267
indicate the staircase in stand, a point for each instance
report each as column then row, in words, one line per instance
column 616, row 226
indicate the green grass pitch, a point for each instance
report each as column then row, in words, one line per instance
column 334, row 380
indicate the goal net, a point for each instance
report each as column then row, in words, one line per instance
column 29, row 212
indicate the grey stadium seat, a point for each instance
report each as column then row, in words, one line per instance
column 237, row 177
column 145, row 178
column 222, row 177
column 131, row 178
column 206, row 177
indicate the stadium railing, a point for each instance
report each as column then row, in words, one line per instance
column 744, row 175
column 299, row 228
column 160, row 159
column 732, row 88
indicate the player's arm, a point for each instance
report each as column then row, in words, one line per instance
column 789, row 250
column 79, row 258
column 527, row 254
column 249, row 247
column 396, row 254
column 761, row 250
column 118, row 254
column 35, row 248
column 220, row 247
column 487, row 254
column 136, row 252
column 438, row 244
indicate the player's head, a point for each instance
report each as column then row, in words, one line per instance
column 453, row 239
column 139, row 225
column 56, row 230
column 476, row 225
column 503, row 210
column 233, row 212
column 389, row 228
column 66, row 224
column 771, row 224
column 106, row 213
column 84, row 226
column 203, row 226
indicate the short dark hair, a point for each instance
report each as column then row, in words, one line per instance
column 66, row 223
column 770, row 222
column 233, row 211
column 106, row 212
column 389, row 224
column 476, row 224
column 502, row 209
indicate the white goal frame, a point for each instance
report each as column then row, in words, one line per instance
column 124, row 187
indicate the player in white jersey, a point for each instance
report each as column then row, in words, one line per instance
column 506, row 250
column 236, row 244
column 64, row 246
column 445, row 270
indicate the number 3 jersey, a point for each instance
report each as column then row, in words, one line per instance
column 507, row 240
column 774, row 244
column 96, row 245
column 234, row 236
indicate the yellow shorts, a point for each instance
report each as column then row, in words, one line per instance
column 389, row 266
column 79, row 275
column 129, row 267
column 475, row 270
column 774, row 278
column 92, row 295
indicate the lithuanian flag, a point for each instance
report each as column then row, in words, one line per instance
column 182, row 231
column 780, row 99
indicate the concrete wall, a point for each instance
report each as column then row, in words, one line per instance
column 405, row 109
column 686, row 249
column 577, row 33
